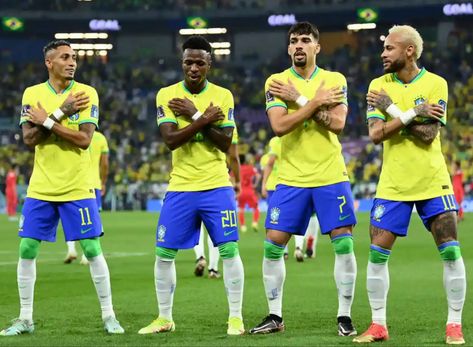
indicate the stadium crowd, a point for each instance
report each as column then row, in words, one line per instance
column 139, row 160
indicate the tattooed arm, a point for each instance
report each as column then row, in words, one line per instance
column 379, row 130
column 424, row 132
column 33, row 135
column 332, row 119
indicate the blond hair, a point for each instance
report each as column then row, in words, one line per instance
column 410, row 36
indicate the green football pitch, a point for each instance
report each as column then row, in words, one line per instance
column 67, row 311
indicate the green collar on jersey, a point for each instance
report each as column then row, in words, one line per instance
column 64, row 91
column 315, row 72
column 202, row 91
column 418, row 76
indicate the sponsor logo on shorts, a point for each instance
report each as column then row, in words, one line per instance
column 274, row 215
column 161, row 233
column 378, row 212
column 84, row 231
column 226, row 233
column 342, row 218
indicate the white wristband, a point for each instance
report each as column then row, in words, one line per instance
column 58, row 114
column 302, row 101
column 408, row 116
column 196, row 115
column 394, row 111
column 48, row 123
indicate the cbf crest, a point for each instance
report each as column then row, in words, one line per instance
column 274, row 215
column 378, row 212
column 74, row 117
column 419, row 100
column 161, row 233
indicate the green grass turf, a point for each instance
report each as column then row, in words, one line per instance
column 67, row 311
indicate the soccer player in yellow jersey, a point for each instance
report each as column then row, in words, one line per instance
column 98, row 150
column 60, row 185
column 307, row 108
column 195, row 119
column 406, row 108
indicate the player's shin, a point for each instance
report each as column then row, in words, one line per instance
column 165, row 280
column 233, row 277
column 274, row 274
column 377, row 283
column 26, row 276
column 214, row 255
column 454, row 280
column 100, row 274
column 344, row 272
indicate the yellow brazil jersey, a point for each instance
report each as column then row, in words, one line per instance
column 235, row 137
column 198, row 164
column 311, row 156
column 61, row 169
column 412, row 170
column 274, row 149
column 97, row 147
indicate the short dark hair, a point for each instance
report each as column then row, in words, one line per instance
column 197, row 42
column 303, row 28
column 55, row 44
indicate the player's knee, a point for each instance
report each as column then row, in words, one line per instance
column 379, row 255
column 228, row 250
column 166, row 253
column 273, row 251
column 29, row 248
column 450, row 251
column 343, row 244
column 91, row 247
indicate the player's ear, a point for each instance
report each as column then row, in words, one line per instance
column 410, row 51
column 317, row 48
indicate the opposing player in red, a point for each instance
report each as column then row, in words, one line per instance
column 10, row 193
column 249, row 180
column 458, row 190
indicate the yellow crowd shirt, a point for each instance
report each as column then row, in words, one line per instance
column 97, row 148
column 412, row 170
column 311, row 156
column 61, row 170
column 198, row 164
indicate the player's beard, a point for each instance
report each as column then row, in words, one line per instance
column 396, row 65
column 300, row 63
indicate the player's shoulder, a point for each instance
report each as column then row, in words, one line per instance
column 383, row 79
column 434, row 78
column 99, row 135
column 78, row 86
column 279, row 75
column 169, row 89
column 36, row 88
column 330, row 74
column 215, row 88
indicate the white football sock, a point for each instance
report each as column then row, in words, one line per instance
column 313, row 230
column 234, row 280
column 345, row 279
column 199, row 249
column 377, row 284
column 274, row 274
column 165, row 284
column 299, row 241
column 26, row 277
column 214, row 254
column 71, row 247
column 454, row 281
column 101, row 278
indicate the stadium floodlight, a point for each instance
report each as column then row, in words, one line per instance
column 103, row 53
column 92, row 46
column 80, row 36
column 361, row 26
column 220, row 44
column 222, row 52
column 203, row 31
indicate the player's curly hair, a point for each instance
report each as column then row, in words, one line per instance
column 55, row 44
column 197, row 42
column 303, row 28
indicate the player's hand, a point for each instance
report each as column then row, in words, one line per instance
column 74, row 103
column 286, row 92
column 237, row 188
column 212, row 114
column 433, row 111
column 379, row 100
column 264, row 192
column 328, row 97
column 103, row 190
column 37, row 115
column 183, row 107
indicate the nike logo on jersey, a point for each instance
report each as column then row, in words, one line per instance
column 83, row 231
column 342, row 218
